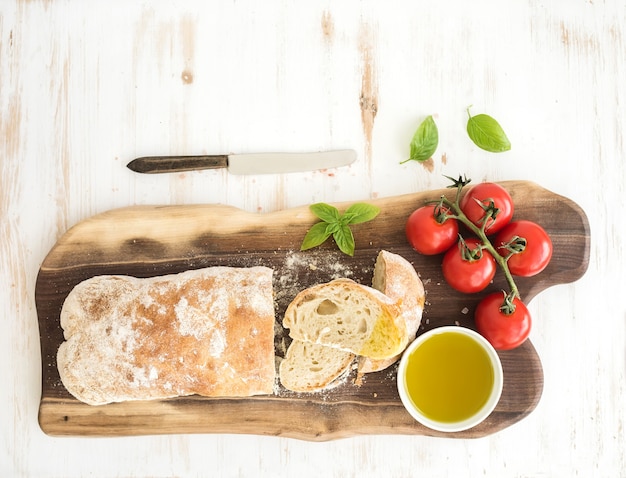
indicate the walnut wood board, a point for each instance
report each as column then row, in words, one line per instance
column 147, row 241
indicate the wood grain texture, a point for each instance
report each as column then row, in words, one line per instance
column 86, row 86
column 152, row 240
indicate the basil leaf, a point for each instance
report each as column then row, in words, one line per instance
column 487, row 134
column 325, row 212
column 337, row 225
column 361, row 212
column 425, row 141
column 317, row 235
column 332, row 227
column 345, row 240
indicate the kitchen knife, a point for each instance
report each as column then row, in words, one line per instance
column 253, row 163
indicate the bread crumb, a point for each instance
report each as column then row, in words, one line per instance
column 358, row 381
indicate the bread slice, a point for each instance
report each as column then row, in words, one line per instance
column 395, row 277
column 208, row 332
column 348, row 316
column 309, row 367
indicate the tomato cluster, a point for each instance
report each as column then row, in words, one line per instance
column 521, row 248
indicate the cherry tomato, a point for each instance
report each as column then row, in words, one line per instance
column 503, row 331
column 537, row 252
column 467, row 268
column 429, row 236
column 478, row 197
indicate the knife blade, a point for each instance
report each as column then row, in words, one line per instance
column 251, row 163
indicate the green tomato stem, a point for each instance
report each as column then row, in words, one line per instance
column 460, row 216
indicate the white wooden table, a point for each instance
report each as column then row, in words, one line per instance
column 86, row 86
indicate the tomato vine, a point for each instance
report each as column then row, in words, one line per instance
column 490, row 212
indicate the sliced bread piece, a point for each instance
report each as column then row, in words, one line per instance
column 348, row 316
column 309, row 367
column 395, row 277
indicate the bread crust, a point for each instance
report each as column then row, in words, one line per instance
column 208, row 332
column 396, row 277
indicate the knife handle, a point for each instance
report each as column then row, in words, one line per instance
column 174, row 164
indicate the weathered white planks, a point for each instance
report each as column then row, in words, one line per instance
column 86, row 86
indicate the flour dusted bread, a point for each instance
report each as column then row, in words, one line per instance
column 348, row 316
column 395, row 277
column 309, row 367
column 208, row 332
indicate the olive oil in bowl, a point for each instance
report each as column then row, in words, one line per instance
column 450, row 379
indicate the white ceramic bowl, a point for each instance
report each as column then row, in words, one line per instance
column 482, row 413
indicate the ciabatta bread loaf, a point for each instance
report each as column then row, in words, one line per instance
column 348, row 316
column 309, row 367
column 395, row 277
column 208, row 332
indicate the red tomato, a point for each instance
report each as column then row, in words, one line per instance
column 481, row 195
column 467, row 273
column 503, row 331
column 429, row 236
column 536, row 254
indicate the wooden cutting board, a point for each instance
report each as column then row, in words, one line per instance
column 155, row 240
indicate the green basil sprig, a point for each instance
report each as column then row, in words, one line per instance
column 425, row 141
column 486, row 133
column 337, row 225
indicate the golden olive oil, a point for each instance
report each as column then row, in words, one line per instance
column 449, row 377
